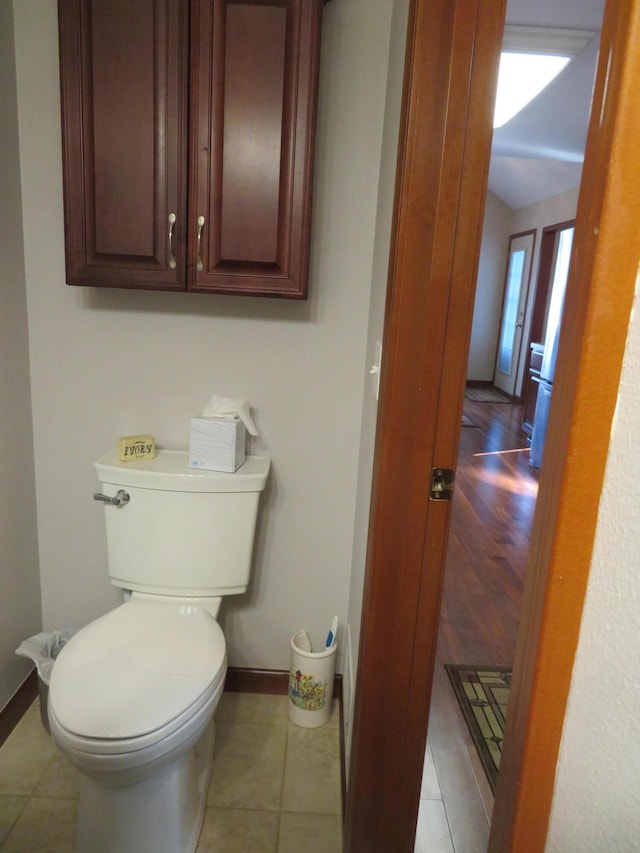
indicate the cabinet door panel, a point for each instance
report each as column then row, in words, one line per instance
column 251, row 164
column 122, row 154
column 124, row 87
column 254, row 82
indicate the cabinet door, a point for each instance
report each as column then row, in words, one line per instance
column 124, row 68
column 252, row 119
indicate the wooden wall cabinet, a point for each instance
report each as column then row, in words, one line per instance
column 188, row 131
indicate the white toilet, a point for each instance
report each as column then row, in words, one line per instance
column 132, row 695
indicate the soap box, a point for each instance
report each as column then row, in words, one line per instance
column 134, row 448
column 217, row 444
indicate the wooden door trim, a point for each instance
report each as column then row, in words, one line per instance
column 441, row 183
column 543, row 280
column 395, row 673
column 542, row 287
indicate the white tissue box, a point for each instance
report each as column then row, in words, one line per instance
column 217, row 444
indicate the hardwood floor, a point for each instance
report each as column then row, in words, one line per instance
column 492, row 513
column 493, row 508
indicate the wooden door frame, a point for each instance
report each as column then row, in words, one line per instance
column 547, row 256
column 405, row 559
column 543, row 286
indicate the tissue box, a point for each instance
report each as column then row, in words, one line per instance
column 217, row 444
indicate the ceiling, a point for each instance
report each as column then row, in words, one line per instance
column 539, row 152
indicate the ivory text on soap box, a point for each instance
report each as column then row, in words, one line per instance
column 136, row 447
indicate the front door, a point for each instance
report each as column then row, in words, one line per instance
column 514, row 305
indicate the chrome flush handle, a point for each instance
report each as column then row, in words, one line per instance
column 121, row 498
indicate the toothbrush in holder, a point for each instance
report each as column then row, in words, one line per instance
column 331, row 636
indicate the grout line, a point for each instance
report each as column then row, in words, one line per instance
column 463, row 731
column 444, row 805
column 435, row 769
column 17, row 817
column 445, row 739
column 284, row 770
column 26, row 798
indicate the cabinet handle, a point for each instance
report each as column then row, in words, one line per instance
column 172, row 258
column 200, row 265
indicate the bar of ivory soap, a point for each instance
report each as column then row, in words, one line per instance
column 133, row 448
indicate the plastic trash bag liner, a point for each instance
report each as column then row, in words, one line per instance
column 43, row 649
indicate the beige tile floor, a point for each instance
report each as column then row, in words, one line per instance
column 275, row 787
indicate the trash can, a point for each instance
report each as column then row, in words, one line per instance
column 311, row 678
column 43, row 649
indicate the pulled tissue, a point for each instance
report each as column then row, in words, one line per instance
column 230, row 407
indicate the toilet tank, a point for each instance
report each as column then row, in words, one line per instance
column 183, row 531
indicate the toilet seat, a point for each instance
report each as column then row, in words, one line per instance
column 135, row 676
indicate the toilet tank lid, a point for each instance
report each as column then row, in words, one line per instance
column 170, row 471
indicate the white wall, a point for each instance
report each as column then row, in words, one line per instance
column 596, row 805
column 487, row 308
column 398, row 30
column 19, row 585
column 105, row 364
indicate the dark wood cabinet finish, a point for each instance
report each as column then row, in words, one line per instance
column 123, row 67
column 253, row 125
column 188, row 132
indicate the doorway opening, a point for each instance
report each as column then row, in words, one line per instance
column 492, row 515
column 492, row 518
column 402, row 584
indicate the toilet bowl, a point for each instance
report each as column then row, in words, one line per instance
column 132, row 707
column 133, row 694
